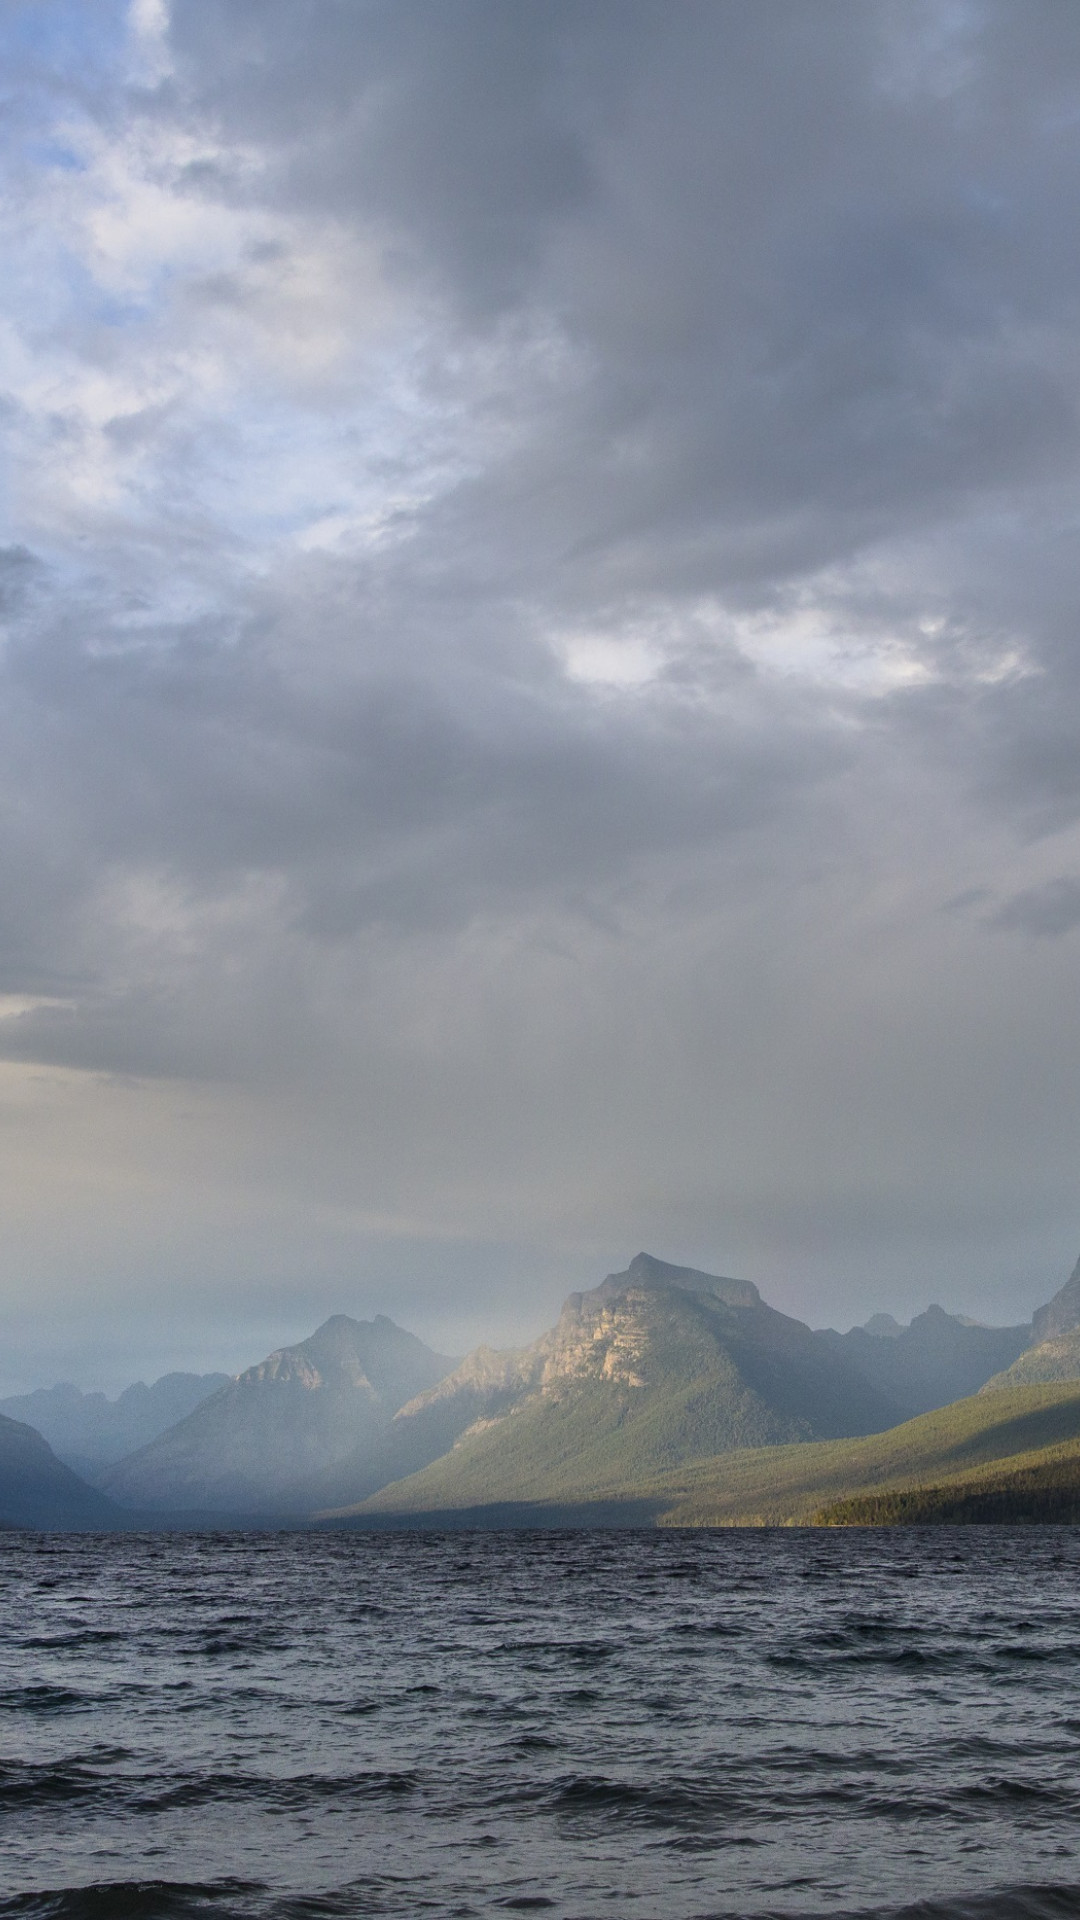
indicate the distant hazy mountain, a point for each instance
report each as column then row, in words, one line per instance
column 38, row 1490
column 883, row 1325
column 89, row 1431
column 940, row 1357
column 272, row 1440
column 657, row 1365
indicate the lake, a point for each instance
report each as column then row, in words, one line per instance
column 648, row 1724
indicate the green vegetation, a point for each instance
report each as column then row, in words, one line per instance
column 1002, row 1447
column 1055, row 1359
column 603, row 1439
column 1012, row 1431
column 1040, row 1495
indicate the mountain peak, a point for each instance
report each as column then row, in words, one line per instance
column 645, row 1270
column 295, row 1416
column 882, row 1325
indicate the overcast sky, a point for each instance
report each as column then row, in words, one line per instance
column 540, row 690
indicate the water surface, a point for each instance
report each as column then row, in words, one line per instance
column 662, row 1726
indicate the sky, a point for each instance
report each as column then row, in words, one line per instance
column 540, row 675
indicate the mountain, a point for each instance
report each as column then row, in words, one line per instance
column 1061, row 1314
column 661, row 1365
column 272, row 1440
column 38, row 1490
column 657, row 1365
column 1055, row 1354
column 938, row 1358
column 1011, row 1456
column 883, row 1325
column 1055, row 1359
column 88, row 1431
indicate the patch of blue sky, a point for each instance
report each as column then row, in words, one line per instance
column 49, row 287
column 64, row 36
column 51, row 153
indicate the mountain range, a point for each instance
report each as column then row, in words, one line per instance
column 663, row 1364
column 657, row 1369
column 286, row 1435
column 87, row 1431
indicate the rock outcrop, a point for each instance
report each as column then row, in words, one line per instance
column 1061, row 1314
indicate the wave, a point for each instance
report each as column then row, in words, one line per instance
column 48, row 1782
column 250, row 1900
column 283, row 1792
column 1040, row 1902
column 674, row 1802
column 141, row 1900
column 44, row 1697
column 821, row 1655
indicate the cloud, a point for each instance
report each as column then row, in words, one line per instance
column 539, row 558
column 1048, row 911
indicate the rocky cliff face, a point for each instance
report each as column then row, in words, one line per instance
column 1061, row 1314
column 1052, row 1351
column 638, row 1326
column 265, row 1439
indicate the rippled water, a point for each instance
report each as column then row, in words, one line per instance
column 660, row 1725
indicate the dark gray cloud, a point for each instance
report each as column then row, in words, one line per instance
column 1047, row 911
column 541, row 558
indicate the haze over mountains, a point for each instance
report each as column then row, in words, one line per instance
column 88, row 1431
column 656, row 1367
column 38, row 1490
column 287, row 1434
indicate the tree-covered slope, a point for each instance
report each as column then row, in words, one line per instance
column 1054, row 1359
column 984, row 1440
column 1044, row 1491
column 1009, row 1431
